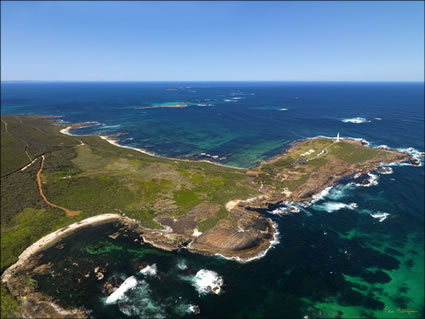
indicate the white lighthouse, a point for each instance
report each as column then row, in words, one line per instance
column 337, row 138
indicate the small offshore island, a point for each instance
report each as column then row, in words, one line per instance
column 55, row 183
column 167, row 105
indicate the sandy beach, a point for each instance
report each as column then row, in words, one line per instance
column 114, row 142
column 52, row 238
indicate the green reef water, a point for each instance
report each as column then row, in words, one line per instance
column 356, row 252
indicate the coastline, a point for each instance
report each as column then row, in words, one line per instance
column 52, row 238
column 156, row 237
column 159, row 238
column 416, row 154
column 12, row 277
column 114, row 142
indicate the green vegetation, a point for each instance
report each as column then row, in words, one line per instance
column 9, row 305
column 13, row 154
column 313, row 156
column 103, row 193
column 31, row 282
column 27, row 227
column 318, row 162
column 293, row 184
column 354, row 154
column 212, row 221
column 185, row 197
column 91, row 176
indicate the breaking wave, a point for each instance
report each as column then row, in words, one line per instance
column 381, row 216
column 119, row 294
column 149, row 270
column 207, row 281
column 110, row 126
column 181, row 264
column 286, row 209
column 356, row 120
column 334, row 206
column 140, row 303
column 371, row 181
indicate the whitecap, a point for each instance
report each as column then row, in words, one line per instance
column 321, row 195
column 386, row 170
column 110, row 126
column 119, row 294
column 140, row 303
column 181, row 264
column 416, row 155
column 193, row 309
column 380, row 215
column 207, row 281
column 149, row 270
column 356, row 120
column 385, row 147
column 334, row 206
column 279, row 211
column 378, row 118
column 288, row 207
column 371, row 181
column 283, row 109
column 340, row 191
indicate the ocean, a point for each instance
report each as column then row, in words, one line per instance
column 356, row 252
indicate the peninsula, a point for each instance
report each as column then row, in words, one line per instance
column 54, row 183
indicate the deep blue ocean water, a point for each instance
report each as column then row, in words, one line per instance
column 332, row 260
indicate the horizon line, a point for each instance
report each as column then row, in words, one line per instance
column 150, row 81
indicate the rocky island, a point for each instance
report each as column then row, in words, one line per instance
column 167, row 105
column 169, row 203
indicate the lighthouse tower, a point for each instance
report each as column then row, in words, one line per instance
column 337, row 138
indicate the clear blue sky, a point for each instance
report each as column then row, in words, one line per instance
column 210, row 41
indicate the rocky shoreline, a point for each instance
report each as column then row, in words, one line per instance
column 250, row 237
column 33, row 302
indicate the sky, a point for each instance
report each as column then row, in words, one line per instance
column 212, row 41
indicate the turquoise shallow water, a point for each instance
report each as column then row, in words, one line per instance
column 333, row 259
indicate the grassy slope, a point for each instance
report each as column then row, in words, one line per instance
column 299, row 173
column 98, row 178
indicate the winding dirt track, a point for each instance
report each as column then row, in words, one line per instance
column 67, row 211
column 5, row 126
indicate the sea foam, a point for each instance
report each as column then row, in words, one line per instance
column 356, row 120
column 334, row 206
column 140, row 303
column 380, row 215
column 371, row 181
column 207, row 281
column 181, row 264
column 149, row 270
column 119, row 294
